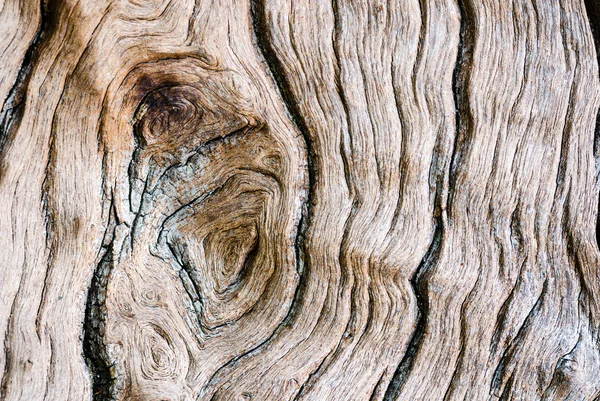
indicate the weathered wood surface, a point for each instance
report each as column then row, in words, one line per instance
column 299, row 200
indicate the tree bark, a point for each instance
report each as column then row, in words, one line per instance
column 299, row 200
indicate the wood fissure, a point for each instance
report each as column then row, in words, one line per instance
column 11, row 108
column 593, row 15
column 263, row 42
column 420, row 289
column 94, row 348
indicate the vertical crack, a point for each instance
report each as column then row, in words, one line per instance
column 264, row 44
column 12, row 110
column 460, row 77
column 275, row 68
column 419, row 286
column 443, row 198
column 592, row 8
column 94, row 348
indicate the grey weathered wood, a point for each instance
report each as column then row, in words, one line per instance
column 299, row 200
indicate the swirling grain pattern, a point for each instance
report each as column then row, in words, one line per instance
column 299, row 200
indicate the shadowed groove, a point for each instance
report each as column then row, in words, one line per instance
column 461, row 100
column 418, row 281
column 265, row 48
column 593, row 14
column 93, row 344
column 12, row 110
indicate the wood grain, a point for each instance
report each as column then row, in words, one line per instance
column 299, row 200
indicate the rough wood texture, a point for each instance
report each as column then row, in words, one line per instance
column 299, row 200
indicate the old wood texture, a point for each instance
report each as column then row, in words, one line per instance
column 299, row 200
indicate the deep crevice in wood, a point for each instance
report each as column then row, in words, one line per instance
column 264, row 45
column 418, row 283
column 442, row 204
column 94, row 348
column 592, row 8
column 12, row 111
column 597, row 156
column 461, row 99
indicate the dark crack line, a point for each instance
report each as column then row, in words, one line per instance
column 418, row 281
column 275, row 68
column 277, row 71
column 94, row 347
column 460, row 78
column 592, row 8
column 12, row 110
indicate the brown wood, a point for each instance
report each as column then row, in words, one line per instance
column 299, row 200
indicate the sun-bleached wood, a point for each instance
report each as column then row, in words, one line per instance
column 299, row 200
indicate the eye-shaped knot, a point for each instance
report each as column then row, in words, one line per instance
column 170, row 113
column 175, row 122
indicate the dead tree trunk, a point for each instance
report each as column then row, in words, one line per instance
column 299, row 200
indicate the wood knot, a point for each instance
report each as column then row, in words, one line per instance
column 170, row 113
column 175, row 121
